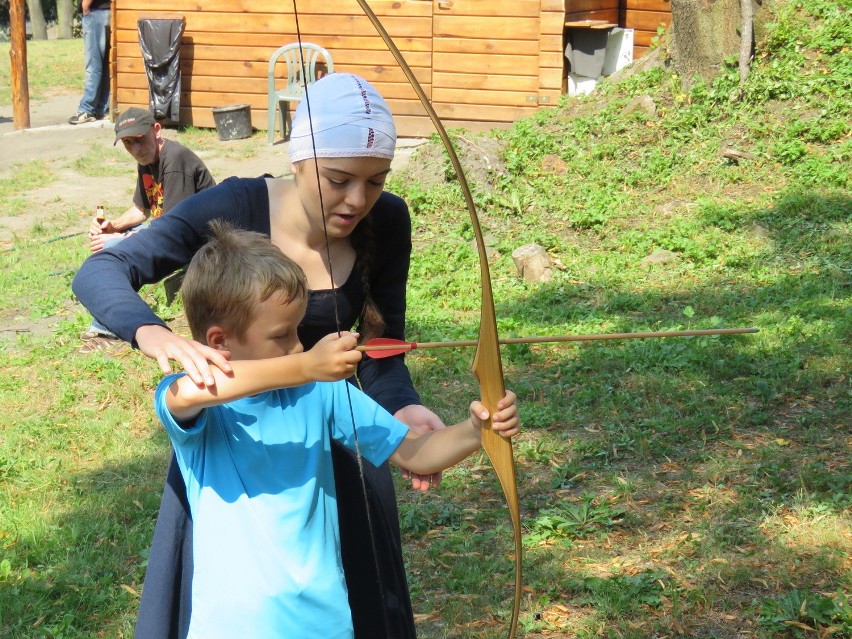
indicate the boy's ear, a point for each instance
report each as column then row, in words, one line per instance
column 217, row 338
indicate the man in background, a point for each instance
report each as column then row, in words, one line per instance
column 167, row 174
column 96, row 24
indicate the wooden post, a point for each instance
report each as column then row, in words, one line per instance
column 18, row 60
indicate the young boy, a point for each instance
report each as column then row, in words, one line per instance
column 255, row 451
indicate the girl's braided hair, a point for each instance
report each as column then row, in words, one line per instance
column 371, row 323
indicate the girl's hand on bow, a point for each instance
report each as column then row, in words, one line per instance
column 420, row 420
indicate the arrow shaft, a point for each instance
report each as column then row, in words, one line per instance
column 545, row 339
column 639, row 335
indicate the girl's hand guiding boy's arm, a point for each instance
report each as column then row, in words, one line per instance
column 440, row 449
column 332, row 358
column 198, row 360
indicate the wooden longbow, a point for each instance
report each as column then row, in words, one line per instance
column 486, row 362
column 487, row 366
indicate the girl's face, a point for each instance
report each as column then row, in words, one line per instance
column 350, row 188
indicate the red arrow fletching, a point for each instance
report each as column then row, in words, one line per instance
column 381, row 347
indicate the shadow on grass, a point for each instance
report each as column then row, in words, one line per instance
column 704, row 439
column 708, row 435
column 88, row 555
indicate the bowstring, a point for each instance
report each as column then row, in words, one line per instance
column 358, row 457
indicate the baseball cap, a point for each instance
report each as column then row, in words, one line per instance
column 135, row 121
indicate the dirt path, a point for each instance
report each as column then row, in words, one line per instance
column 60, row 145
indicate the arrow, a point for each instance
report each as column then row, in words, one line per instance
column 387, row 347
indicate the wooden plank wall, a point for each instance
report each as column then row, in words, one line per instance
column 643, row 16
column 552, row 51
column 576, row 10
column 496, row 60
column 452, row 47
column 227, row 43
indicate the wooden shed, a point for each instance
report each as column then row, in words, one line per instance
column 482, row 62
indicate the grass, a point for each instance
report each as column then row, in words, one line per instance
column 30, row 175
column 53, row 66
column 692, row 487
column 201, row 141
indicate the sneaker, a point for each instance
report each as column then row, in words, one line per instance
column 91, row 334
column 99, row 343
column 81, row 117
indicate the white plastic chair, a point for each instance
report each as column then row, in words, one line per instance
column 279, row 99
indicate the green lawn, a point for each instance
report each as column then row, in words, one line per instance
column 683, row 487
column 53, row 67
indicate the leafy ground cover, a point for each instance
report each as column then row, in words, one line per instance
column 671, row 488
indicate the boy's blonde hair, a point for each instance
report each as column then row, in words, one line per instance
column 231, row 275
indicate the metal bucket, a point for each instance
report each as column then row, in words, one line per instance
column 233, row 122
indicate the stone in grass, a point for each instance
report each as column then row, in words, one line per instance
column 533, row 263
column 658, row 257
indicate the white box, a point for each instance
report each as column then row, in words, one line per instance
column 580, row 84
column 619, row 50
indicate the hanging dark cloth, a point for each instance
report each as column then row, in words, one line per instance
column 159, row 40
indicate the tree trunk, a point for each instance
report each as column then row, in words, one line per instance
column 704, row 33
column 37, row 22
column 746, row 38
column 65, row 17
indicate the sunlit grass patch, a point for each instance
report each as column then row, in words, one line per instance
column 102, row 160
column 206, row 143
column 811, row 528
column 54, row 66
column 30, row 175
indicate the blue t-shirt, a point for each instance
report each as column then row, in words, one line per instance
column 261, row 491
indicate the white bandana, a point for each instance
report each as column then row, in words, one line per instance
column 350, row 119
